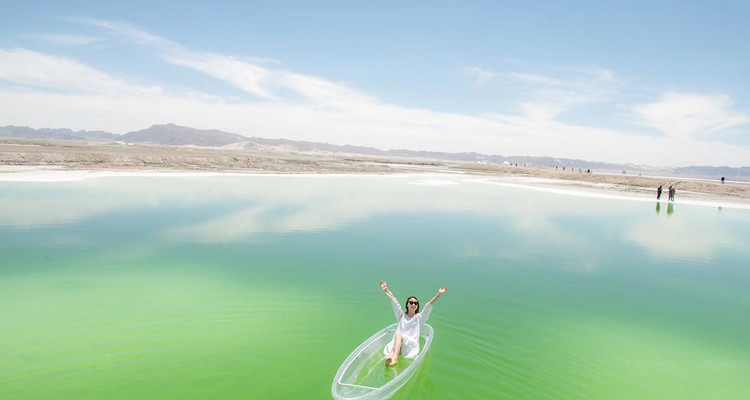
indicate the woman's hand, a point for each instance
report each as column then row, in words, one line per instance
column 385, row 290
column 440, row 291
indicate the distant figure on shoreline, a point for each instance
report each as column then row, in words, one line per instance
column 722, row 180
column 672, row 190
column 658, row 192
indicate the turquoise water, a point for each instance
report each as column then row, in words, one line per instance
column 260, row 286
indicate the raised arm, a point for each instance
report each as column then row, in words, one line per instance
column 440, row 291
column 385, row 289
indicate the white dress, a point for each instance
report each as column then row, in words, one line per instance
column 409, row 328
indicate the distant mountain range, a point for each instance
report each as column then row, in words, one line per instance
column 168, row 135
column 174, row 135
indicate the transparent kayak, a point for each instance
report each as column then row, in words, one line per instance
column 363, row 375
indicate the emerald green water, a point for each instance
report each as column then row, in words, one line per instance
column 256, row 287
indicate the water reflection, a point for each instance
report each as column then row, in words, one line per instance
column 670, row 208
column 682, row 235
column 236, row 208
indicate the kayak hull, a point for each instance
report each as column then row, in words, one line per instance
column 364, row 376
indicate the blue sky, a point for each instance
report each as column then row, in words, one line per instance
column 661, row 83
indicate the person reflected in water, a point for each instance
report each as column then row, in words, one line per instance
column 670, row 208
column 658, row 207
column 406, row 339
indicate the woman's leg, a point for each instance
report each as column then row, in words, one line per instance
column 392, row 358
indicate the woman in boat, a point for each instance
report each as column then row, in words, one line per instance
column 406, row 339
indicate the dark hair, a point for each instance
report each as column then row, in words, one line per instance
column 406, row 305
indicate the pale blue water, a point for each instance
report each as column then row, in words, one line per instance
column 260, row 286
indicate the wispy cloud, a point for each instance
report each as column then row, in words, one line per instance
column 479, row 75
column 133, row 33
column 691, row 116
column 250, row 78
column 70, row 40
column 272, row 84
column 547, row 96
column 261, row 78
column 28, row 67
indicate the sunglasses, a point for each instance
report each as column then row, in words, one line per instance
column 414, row 303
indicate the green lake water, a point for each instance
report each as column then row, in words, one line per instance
column 258, row 287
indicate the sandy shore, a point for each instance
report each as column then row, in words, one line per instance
column 641, row 186
column 32, row 157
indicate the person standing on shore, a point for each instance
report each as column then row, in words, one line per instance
column 658, row 192
column 672, row 190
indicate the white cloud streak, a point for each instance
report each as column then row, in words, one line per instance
column 69, row 40
column 244, row 75
column 691, row 116
column 28, row 67
column 138, row 35
column 545, row 97
column 479, row 75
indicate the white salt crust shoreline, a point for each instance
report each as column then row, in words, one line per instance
column 614, row 194
column 561, row 187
